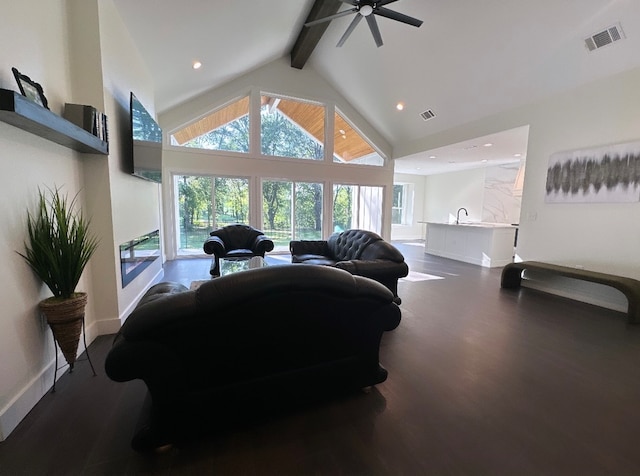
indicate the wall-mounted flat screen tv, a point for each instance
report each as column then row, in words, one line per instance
column 147, row 143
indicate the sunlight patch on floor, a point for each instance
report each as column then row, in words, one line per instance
column 414, row 243
column 414, row 276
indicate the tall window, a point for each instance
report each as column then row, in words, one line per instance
column 226, row 128
column 205, row 203
column 291, row 211
column 308, row 211
column 291, row 128
column 401, row 209
column 357, row 206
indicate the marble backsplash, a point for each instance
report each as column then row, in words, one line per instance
column 501, row 202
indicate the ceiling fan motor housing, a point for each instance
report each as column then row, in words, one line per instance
column 368, row 9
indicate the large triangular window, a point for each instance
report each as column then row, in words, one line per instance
column 226, row 128
column 291, row 128
column 349, row 147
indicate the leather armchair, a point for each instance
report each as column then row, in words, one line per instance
column 235, row 241
column 240, row 343
column 360, row 252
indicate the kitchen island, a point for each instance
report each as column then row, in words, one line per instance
column 485, row 244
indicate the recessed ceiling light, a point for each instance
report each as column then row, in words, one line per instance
column 488, row 144
column 432, row 156
column 484, row 161
column 197, row 65
column 400, row 106
column 517, row 155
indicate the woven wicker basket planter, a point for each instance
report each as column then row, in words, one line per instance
column 65, row 316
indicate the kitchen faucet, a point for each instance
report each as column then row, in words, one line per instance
column 458, row 214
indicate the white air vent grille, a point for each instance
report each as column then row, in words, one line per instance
column 604, row 37
column 428, row 114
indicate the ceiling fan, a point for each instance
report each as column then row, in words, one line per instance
column 368, row 9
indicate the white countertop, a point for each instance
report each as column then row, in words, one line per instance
column 475, row 224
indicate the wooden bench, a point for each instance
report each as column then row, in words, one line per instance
column 512, row 278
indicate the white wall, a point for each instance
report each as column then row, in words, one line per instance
column 78, row 51
column 134, row 204
column 602, row 237
column 33, row 36
column 446, row 193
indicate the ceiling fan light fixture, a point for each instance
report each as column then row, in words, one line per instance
column 366, row 10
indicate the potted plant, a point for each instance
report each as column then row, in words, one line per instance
column 58, row 248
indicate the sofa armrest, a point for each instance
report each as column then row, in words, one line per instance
column 382, row 250
column 158, row 311
column 136, row 348
column 214, row 246
column 375, row 269
column 261, row 245
column 310, row 247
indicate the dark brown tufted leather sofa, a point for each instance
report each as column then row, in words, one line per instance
column 242, row 342
column 361, row 252
column 235, row 241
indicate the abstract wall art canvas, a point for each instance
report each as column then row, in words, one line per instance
column 603, row 174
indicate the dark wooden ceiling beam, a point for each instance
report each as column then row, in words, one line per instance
column 310, row 36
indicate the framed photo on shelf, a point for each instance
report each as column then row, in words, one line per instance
column 30, row 89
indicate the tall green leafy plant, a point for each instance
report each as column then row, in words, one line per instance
column 60, row 244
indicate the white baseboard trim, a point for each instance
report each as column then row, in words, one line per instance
column 18, row 408
column 125, row 313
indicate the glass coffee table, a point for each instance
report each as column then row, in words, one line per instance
column 235, row 265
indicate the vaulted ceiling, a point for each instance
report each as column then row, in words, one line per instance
column 468, row 60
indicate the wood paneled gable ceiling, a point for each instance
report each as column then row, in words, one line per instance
column 212, row 121
column 348, row 143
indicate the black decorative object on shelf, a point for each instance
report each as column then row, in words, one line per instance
column 87, row 117
column 19, row 111
column 30, row 89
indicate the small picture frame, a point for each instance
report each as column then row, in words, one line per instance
column 30, row 89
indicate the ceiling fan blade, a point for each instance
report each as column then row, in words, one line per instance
column 331, row 17
column 375, row 31
column 351, row 27
column 385, row 12
column 355, row 3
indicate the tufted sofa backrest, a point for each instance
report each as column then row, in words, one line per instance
column 350, row 244
column 237, row 236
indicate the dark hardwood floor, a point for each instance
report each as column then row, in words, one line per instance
column 482, row 381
